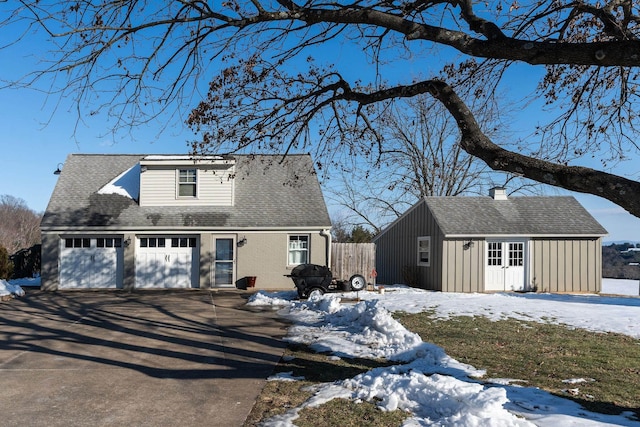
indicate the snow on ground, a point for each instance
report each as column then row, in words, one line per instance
column 7, row 288
column 435, row 388
column 621, row 287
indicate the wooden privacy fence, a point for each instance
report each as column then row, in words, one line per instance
column 348, row 259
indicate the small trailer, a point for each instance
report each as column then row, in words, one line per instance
column 314, row 279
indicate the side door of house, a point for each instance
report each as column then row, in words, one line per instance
column 505, row 266
column 224, row 261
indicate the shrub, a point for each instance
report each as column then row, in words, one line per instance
column 6, row 267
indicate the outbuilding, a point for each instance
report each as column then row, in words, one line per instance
column 162, row 221
column 495, row 243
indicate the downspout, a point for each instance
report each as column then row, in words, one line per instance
column 327, row 235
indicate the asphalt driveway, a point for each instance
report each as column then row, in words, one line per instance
column 188, row 358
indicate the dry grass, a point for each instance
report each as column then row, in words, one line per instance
column 277, row 397
column 541, row 354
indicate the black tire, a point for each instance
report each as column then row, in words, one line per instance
column 357, row 282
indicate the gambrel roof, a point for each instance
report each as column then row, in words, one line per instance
column 269, row 193
column 524, row 216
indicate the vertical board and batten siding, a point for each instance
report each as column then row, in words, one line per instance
column 566, row 265
column 463, row 269
column 348, row 259
column 397, row 248
column 158, row 187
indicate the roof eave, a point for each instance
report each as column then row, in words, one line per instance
column 507, row 236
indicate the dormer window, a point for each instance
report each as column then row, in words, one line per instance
column 187, row 185
column 186, row 181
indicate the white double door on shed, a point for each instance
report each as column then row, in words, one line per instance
column 167, row 262
column 506, row 265
column 91, row 263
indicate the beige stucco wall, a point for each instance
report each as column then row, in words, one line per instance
column 49, row 266
column 265, row 256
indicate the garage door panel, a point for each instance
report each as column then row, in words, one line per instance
column 165, row 267
column 89, row 268
column 149, row 270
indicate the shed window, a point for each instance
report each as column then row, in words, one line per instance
column 187, row 185
column 494, row 253
column 516, row 254
column 424, row 251
column 298, row 249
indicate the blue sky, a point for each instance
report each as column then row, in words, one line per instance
column 39, row 132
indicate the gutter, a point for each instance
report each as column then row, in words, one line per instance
column 326, row 233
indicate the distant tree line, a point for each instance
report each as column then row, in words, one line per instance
column 619, row 262
column 19, row 237
column 357, row 234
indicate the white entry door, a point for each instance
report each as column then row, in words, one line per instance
column 505, row 265
column 166, row 262
column 224, row 261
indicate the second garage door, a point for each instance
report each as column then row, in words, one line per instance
column 166, row 262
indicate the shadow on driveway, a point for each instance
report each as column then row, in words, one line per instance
column 193, row 357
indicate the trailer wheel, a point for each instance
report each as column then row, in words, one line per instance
column 315, row 293
column 357, row 282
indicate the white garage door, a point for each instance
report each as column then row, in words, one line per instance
column 166, row 262
column 91, row 263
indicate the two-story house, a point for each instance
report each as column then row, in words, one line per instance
column 142, row 221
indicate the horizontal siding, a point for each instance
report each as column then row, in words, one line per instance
column 567, row 265
column 158, row 187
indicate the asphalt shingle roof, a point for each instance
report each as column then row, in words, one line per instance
column 517, row 215
column 267, row 194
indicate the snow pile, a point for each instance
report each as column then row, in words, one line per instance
column 435, row 388
column 274, row 299
column 365, row 329
column 7, row 288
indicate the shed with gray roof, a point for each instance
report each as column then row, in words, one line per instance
column 496, row 243
column 141, row 221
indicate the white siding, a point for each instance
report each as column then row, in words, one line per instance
column 158, row 186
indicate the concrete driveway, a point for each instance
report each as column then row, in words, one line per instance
column 155, row 358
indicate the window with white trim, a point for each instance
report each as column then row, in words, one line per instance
column 298, row 250
column 424, row 251
column 187, row 183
